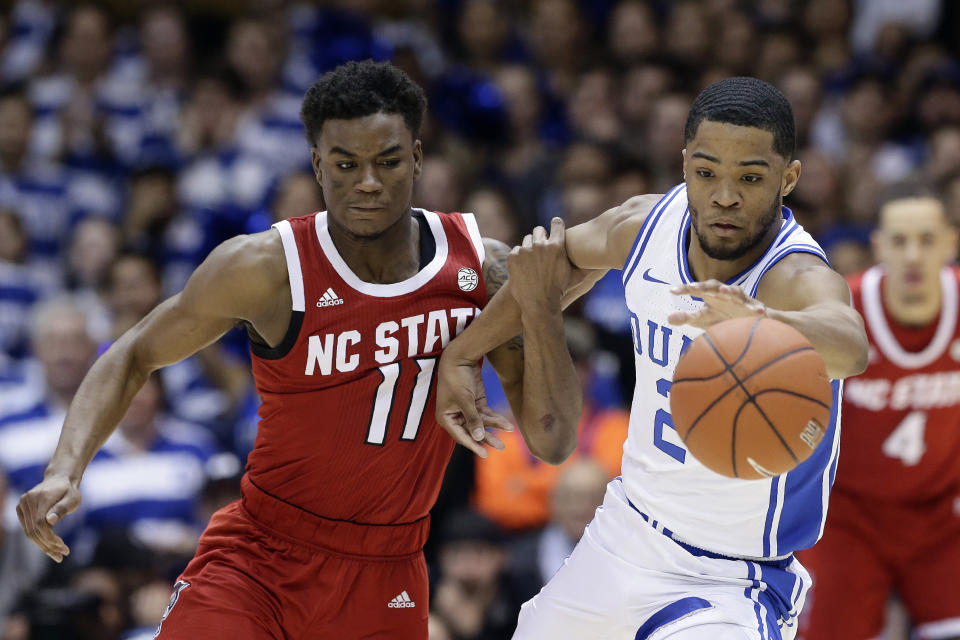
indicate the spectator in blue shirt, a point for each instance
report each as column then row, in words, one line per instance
column 63, row 341
column 149, row 475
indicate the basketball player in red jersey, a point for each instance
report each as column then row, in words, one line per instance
column 894, row 523
column 348, row 311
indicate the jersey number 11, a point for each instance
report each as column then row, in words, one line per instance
column 384, row 401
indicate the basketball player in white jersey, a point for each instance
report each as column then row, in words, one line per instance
column 678, row 551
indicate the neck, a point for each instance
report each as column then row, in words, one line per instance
column 914, row 309
column 703, row 267
column 392, row 256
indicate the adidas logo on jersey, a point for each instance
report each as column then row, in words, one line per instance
column 402, row 601
column 329, row 299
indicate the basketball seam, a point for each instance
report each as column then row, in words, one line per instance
column 752, row 401
column 746, row 347
column 792, row 393
column 723, row 395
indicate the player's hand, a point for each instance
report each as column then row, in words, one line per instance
column 462, row 405
column 539, row 269
column 44, row 506
column 721, row 302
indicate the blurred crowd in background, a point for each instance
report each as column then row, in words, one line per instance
column 135, row 136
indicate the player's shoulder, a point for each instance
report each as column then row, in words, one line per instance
column 260, row 252
column 626, row 221
column 249, row 269
column 800, row 279
column 787, row 268
column 634, row 210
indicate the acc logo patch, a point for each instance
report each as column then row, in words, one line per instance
column 177, row 588
column 467, row 279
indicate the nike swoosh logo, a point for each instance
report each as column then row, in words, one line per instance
column 650, row 278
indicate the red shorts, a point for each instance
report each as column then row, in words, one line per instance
column 268, row 570
column 871, row 550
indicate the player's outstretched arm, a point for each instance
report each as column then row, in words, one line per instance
column 239, row 281
column 803, row 292
column 536, row 370
column 538, row 377
column 552, row 397
column 593, row 248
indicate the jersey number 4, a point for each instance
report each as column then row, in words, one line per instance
column 384, row 401
column 906, row 442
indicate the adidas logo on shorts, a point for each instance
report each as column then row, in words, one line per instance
column 402, row 601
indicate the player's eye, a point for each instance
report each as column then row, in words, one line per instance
column 751, row 179
column 390, row 162
column 346, row 164
column 703, row 173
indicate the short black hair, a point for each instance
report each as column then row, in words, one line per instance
column 358, row 89
column 746, row 102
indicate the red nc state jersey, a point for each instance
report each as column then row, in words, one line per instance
column 901, row 417
column 347, row 427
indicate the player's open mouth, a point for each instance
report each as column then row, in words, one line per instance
column 724, row 229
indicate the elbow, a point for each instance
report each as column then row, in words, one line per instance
column 853, row 361
column 554, row 447
column 862, row 359
column 861, row 351
column 555, row 454
column 560, row 452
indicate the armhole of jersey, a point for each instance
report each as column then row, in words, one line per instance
column 292, row 255
column 646, row 230
column 471, row 221
column 783, row 253
column 295, row 276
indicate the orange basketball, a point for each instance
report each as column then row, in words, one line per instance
column 751, row 398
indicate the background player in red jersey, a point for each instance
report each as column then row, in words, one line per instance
column 347, row 311
column 894, row 523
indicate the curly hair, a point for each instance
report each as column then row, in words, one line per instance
column 746, row 102
column 358, row 89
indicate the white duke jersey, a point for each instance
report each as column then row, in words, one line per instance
column 745, row 518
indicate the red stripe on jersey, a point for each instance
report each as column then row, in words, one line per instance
column 901, row 417
column 347, row 427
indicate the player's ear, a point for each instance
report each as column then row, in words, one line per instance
column 315, row 161
column 791, row 175
column 417, row 159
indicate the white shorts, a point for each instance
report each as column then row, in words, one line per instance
column 627, row 580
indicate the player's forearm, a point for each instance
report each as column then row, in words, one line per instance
column 499, row 322
column 835, row 331
column 96, row 409
column 552, row 397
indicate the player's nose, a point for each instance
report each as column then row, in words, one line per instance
column 370, row 181
column 726, row 196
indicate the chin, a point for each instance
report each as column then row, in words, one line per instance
column 724, row 250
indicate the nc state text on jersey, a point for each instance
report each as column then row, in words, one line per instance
column 422, row 334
